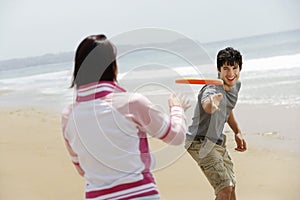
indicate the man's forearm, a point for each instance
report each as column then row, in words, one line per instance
column 233, row 123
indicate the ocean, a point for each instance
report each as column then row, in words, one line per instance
column 270, row 74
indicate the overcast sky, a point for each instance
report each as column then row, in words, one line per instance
column 36, row 27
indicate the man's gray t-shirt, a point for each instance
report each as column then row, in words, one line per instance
column 211, row 126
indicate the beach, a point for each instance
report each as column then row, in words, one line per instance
column 33, row 91
column 35, row 164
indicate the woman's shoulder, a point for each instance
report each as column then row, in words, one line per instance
column 138, row 98
column 131, row 98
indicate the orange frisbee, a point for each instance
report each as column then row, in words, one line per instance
column 203, row 81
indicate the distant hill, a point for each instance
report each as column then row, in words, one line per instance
column 38, row 60
column 253, row 47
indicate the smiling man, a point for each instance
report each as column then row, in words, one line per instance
column 206, row 142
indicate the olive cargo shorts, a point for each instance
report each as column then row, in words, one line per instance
column 214, row 161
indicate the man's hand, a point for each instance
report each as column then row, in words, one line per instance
column 211, row 103
column 240, row 142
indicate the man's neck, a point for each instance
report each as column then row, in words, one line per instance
column 227, row 88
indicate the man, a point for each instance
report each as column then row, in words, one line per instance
column 205, row 141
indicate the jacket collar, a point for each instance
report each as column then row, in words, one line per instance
column 97, row 90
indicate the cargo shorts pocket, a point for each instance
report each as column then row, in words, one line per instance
column 215, row 171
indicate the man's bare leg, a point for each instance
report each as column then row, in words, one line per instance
column 225, row 194
column 233, row 197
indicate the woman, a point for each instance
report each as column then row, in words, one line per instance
column 106, row 128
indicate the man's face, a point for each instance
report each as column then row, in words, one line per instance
column 230, row 75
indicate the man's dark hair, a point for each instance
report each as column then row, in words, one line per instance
column 229, row 56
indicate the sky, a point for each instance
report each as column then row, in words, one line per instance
column 36, row 27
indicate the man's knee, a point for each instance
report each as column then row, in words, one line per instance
column 225, row 193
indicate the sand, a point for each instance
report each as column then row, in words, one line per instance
column 35, row 165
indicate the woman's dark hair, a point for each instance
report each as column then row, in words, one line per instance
column 229, row 56
column 95, row 60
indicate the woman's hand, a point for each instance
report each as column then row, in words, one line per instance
column 179, row 100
